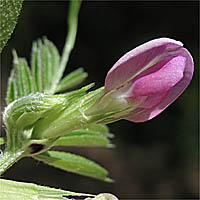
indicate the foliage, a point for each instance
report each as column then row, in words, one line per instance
column 30, row 99
column 29, row 191
column 9, row 12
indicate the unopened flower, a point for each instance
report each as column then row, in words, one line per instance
column 138, row 87
column 149, row 78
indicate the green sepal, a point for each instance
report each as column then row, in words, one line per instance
column 9, row 12
column 74, row 163
column 72, row 80
column 14, row 190
column 67, row 121
column 71, row 98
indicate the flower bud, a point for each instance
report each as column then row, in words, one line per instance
column 147, row 80
column 140, row 85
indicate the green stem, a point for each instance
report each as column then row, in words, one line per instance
column 71, row 37
column 7, row 159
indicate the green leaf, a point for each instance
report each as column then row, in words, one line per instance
column 73, row 163
column 2, row 140
column 12, row 88
column 44, row 62
column 13, row 190
column 20, row 82
column 71, row 80
column 9, row 12
column 45, row 65
column 83, row 138
column 36, row 67
column 93, row 135
column 100, row 128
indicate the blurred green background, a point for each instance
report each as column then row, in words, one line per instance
column 155, row 159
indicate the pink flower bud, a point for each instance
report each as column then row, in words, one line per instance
column 150, row 77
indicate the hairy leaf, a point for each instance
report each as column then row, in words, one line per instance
column 12, row 88
column 45, row 65
column 83, row 138
column 100, row 128
column 74, row 163
column 20, row 82
column 13, row 190
column 71, row 80
column 9, row 12
column 94, row 135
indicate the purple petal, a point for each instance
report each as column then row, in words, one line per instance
column 155, row 106
column 137, row 59
column 156, row 84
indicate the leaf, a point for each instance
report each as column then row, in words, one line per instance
column 94, row 135
column 36, row 67
column 71, row 80
column 9, row 12
column 2, row 140
column 83, row 138
column 74, row 163
column 47, row 68
column 13, row 190
column 12, row 88
column 101, row 128
column 20, row 82
column 45, row 65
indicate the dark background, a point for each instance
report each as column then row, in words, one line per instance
column 155, row 159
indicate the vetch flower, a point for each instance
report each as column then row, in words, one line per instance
column 149, row 78
column 138, row 87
